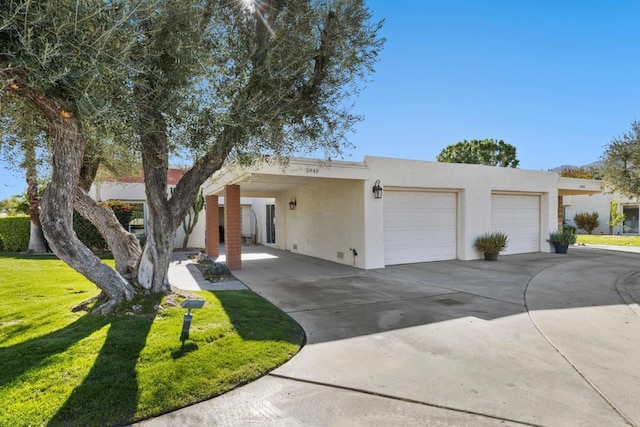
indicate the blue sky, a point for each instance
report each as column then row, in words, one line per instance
column 557, row 79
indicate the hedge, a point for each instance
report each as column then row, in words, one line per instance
column 87, row 232
column 14, row 233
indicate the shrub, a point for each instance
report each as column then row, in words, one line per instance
column 14, row 233
column 616, row 218
column 88, row 233
column 587, row 221
column 217, row 269
column 491, row 243
column 565, row 237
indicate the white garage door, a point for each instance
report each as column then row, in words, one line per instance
column 419, row 226
column 519, row 217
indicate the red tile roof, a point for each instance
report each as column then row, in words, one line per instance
column 173, row 176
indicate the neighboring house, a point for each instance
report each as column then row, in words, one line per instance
column 131, row 189
column 428, row 211
column 601, row 203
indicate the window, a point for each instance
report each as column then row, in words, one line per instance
column 630, row 224
column 138, row 224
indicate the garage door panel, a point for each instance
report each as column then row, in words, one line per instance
column 519, row 217
column 419, row 226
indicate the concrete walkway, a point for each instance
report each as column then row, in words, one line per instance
column 184, row 274
column 536, row 339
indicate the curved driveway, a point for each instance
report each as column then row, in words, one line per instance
column 536, row 339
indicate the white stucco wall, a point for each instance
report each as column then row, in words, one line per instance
column 259, row 210
column 326, row 223
column 118, row 191
column 599, row 203
column 474, row 185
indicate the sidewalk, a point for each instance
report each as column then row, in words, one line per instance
column 184, row 274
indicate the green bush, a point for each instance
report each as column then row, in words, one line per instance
column 14, row 233
column 491, row 243
column 89, row 234
column 565, row 237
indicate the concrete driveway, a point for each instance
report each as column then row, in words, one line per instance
column 537, row 339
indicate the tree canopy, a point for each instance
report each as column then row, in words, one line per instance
column 480, row 152
column 210, row 80
column 621, row 162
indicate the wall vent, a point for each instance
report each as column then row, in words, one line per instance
column 295, row 247
column 340, row 255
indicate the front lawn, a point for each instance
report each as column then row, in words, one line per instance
column 605, row 239
column 62, row 368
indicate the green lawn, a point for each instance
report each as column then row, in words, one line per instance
column 609, row 240
column 62, row 368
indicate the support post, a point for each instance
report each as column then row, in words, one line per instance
column 213, row 227
column 232, row 227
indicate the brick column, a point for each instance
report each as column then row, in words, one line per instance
column 212, row 227
column 560, row 213
column 232, row 227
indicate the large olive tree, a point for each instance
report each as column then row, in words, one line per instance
column 621, row 162
column 214, row 80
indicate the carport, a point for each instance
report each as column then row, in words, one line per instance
column 318, row 207
column 575, row 187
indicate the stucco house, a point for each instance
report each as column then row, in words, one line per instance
column 422, row 211
column 427, row 211
column 601, row 203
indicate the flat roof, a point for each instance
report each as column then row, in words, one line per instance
column 267, row 178
column 577, row 186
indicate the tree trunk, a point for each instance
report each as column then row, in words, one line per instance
column 37, row 243
column 156, row 257
column 166, row 214
column 125, row 246
column 57, row 205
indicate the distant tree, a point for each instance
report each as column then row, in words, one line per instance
column 480, row 152
column 576, row 173
column 587, row 221
column 14, row 205
column 616, row 218
column 22, row 144
column 621, row 162
column 583, row 172
column 596, row 172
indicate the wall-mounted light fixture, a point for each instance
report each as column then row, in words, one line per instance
column 292, row 204
column 377, row 190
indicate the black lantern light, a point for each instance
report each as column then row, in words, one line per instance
column 292, row 204
column 377, row 190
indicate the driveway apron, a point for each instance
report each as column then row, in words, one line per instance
column 536, row 339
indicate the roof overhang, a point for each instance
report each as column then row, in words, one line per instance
column 267, row 179
column 576, row 186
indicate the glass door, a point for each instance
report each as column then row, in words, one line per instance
column 271, row 224
column 630, row 224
